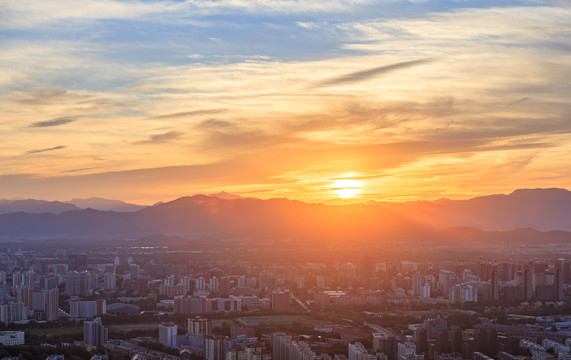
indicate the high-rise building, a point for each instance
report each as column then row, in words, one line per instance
column 225, row 285
column 78, row 283
column 276, row 341
column 94, row 333
column 442, row 342
column 214, row 348
column 237, row 329
column 13, row 312
column 167, row 334
column 417, row 283
column 38, row 300
column 101, row 306
column 446, row 279
column 426, row 291
column 368, row 268
column 386, row 344
column 491, row 342
column 87, row 309
column 281, row 300
column 433, row 325
column 77, row 262
column 357, row 351
column 198, row 325
column 52, row 304
column 495, row 286
column 485, row 270
column 459, row 270
column 134, row 271
column 528, row 283
column 456, row 340
column 200, row 283
column 109, row 281
column 508, row 271
column 213, row 284
column 421, row 339
column 558, row 286
column 461, row 293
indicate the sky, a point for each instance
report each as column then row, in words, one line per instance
column 148, row 101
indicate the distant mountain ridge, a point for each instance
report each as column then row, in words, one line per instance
column 249, row 218
column 35, row 206
column 105, row 204
column 540, row 209
column 57, row 207
column 226, row 196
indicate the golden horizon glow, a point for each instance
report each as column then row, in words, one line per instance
column 347, row 188
column 243, row 99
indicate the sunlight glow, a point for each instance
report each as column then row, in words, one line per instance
column 347, row 188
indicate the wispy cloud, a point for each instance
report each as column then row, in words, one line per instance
column 37, row 151
column 189, row 114
column 371, row 73
column 53, row 122
column 421, row 100
column 161, row 138
column 518, row 101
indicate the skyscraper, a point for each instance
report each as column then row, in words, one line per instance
column 368, row 268
column 214, row 348
column 417, row 283
column 495, row 286
column 77, row 262
column 421, row 338
column 281, row 300
column 442, row 342
column 167, row 334
column 94, row 333
column 558, row 284
column 198, row 325
column 528, row 284
column 52, row 304
column 456, row 340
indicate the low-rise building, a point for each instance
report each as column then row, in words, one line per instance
column 11, row 338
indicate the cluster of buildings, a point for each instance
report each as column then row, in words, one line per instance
column 458, row 283
column 31, row 289
column 199, row 341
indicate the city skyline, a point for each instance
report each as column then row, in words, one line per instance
column 399, row 100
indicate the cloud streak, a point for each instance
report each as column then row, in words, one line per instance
column 161, row 138
column 518, row 101
column 371, row 73
column 188, row 114
column 38, row 151
column 53, row 122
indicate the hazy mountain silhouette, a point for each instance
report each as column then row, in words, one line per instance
column 105, row 204
column 201, row 216
column 248, row 218
column 226, row 195
column 34, row 206
column 540, row 209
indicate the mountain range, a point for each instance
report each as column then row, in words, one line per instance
column 541, row 211
column 57, row 207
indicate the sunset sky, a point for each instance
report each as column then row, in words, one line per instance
column 148, row 101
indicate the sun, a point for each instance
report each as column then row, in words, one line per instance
column 347, row 188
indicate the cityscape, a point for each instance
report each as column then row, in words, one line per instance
column 166, row 297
